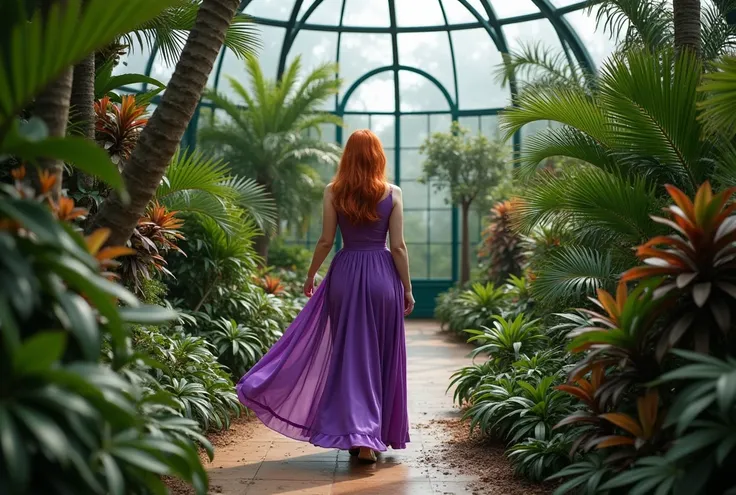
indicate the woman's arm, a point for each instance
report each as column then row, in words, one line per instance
column 326, row 240
column 398, row 248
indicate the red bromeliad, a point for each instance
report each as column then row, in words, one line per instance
column 697, row 261
column 118, row 126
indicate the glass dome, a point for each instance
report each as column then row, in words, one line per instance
column 409, row 68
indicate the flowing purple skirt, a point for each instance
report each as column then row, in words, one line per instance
column 337, row 378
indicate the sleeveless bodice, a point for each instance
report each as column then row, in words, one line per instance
column 369, row 236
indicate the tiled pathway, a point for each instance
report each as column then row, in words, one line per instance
column 269, row 464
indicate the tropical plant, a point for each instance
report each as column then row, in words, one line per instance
column 63, row 410
column 161, row 137
column 501, row 248
column 638, row 131
column 197, row 184
column 585, row 476
column 289, row 257
column 697, row 263
column 272, row 285
column 471, row 308
column 506, row 339
column 538, row 459
column 467, row 380
column 157, row 234
column 188, row 369
column 238, row 347
column 168, row 32
column 469, row 167
column 620, row 336
column 118, row 127
column 266, row 139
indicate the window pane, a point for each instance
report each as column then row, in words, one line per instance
column 352, row 123
column 440, row 226
column 415, row 194
column 418, row 260
column 429, row 51
column 515, row 8
column 367, row 14
column 411, row 164
column 390, row 167
column 419, row 94
column 440, row 122
column 361, row 53
column 383, row 126
column 415, row 226
column 413, row 130
column 489, row 126
column 374, row 95
column 470, row 123
column 409, row 14
column 476, row 60
column 440, row 261
column 439, row 198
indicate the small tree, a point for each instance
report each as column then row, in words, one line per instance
column 469, row 166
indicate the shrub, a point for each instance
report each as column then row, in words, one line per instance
column 502, row 249
column 506, row 339
column 238, row 347
column 290, row 257
column 72, row 421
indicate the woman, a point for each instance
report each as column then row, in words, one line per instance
column 337, row 378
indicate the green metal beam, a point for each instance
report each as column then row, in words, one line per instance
column 567, row 34
column 453, row 107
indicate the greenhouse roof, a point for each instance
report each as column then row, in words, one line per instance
column 408, row 56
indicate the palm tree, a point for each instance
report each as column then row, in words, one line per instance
column 197, row 184
column 267, row 138
column 687, row 25
column 161, row 137
column 637, row 131
column 166, row 34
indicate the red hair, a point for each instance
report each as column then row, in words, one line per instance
column 360, row 182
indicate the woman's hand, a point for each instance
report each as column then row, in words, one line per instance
column 408, row 303
column 309, row 286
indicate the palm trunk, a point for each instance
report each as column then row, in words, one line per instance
column 687, row 25
column 52, row 106
column 158, row 141
column 465, row 244
column 83, row 113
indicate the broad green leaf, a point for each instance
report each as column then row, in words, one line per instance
column 82, row 324
column 147, row 314
column 39, row 352
column 13, row 448
column 80, row 152
column 60, row 39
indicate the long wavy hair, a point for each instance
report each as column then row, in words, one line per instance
column 360, row 182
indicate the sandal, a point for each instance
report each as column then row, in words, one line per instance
column 354, row 451
column 367, row 455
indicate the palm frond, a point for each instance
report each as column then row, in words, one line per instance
column 535, row 62
column 60, row 39
column 562, row 141
column 717, row 35
column 254, row 199
column 653, row 107
column 592, row 200
column 645, row 24
column 168, row 32
column 567, row 105
column 573, row 272
column 719, row 106
column 196, row 183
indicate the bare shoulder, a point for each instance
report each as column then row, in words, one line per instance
column 328, row 190
column 397, row 193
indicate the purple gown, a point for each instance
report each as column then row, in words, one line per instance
column 337, row 378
